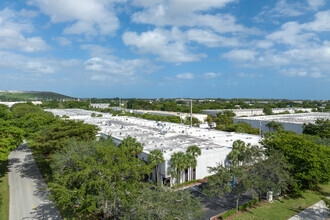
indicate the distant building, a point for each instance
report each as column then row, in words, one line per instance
column 290, row 122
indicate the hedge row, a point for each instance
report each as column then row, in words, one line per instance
column 229, row 213
column 248, row 204
column 240, row 208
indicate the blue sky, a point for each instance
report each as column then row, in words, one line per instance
column 167, row 48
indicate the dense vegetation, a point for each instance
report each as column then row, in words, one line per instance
column 225, row 122
column 286, row 163
column 90, row 178
column 99, row 179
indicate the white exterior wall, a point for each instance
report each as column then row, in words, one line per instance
column 207, row 159
column 256, row 111
column 295, row 127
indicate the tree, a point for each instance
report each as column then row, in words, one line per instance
column 192, row 153
column 5, row 113
column 160, row 204
column 321, row 128
column 209, row 119
column 56, row 136
column 131, row 146
column 228, row 179
column 243, row 155
column 309, row 161
column 94, row 179
column 267, row 110
column 271, row 174
column 21, row 109
column 178, row 164
column 274, row 126
column 10, row 138
column 155, row 158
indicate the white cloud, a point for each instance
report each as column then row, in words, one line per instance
column 291, row 33
column 320, row 24
column 170, row 46
column 211, row 75
column 185, row 76
column 315, row 4
column 210, row 39
column 240, row 55
column 250, row 75
column 190, row 13
column 293, row 72
column 63, row 41
column 12, row 30
column 283, row 8
column 88, row 17
column 26, row 64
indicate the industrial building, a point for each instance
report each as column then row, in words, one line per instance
column 290, row 122
column 167, row 137
column 255, row 111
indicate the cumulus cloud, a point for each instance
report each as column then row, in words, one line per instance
column 315, row 4
column 185, row 76
column 211, row 39
column 169, row 45
column 88, row 17
column 190, row 13
column 12, row 33
column 283, row 8
column 240, row 55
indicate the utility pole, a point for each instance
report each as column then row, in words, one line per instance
column 260, row 129
column 190, row 112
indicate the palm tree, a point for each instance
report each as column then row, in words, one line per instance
column 194, row 151
column 178, row 164
column 131, row 146
column 155, row 158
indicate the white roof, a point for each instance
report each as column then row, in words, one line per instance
column 168, row 137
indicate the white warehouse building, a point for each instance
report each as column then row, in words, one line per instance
column 290, row 122
column 167, row 137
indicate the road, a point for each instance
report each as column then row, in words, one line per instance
column 28, row 190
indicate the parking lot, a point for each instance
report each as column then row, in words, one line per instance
column 215, row 205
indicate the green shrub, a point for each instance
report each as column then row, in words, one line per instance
column 185, row 183
column 248, row 204
column 228, row 214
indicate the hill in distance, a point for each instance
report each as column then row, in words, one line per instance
column 10, row 95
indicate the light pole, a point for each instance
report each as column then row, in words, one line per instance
column 190, row 112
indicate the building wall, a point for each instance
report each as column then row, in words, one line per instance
column 257, row 123
column 256, row 111
column 208, row 159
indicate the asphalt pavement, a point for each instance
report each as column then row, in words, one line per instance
column 213, row 206
column 29, row 195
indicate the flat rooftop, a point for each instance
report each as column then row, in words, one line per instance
column 168, row 137
column 292, row 118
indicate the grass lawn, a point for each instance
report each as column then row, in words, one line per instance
column 285, row 208
column 4, row 190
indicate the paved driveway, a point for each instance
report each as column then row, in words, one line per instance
column 28, row 190
column 215, row 205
